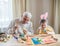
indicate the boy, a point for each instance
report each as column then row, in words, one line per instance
column 45, row 28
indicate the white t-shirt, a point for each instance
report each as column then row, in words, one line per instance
column 28, row 27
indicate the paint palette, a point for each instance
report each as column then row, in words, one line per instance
column 46, row 40
column 37, row 41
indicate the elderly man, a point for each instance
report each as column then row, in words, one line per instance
column 23, row 26
column 26, row 24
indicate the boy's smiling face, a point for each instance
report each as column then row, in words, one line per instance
column 43, row 25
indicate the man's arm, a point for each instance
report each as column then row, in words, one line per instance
column 31, row 31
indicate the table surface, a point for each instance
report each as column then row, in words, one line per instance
column 14, row 42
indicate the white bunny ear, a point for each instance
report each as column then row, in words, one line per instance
column 46, row 15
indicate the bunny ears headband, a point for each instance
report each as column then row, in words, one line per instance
column 44, row 16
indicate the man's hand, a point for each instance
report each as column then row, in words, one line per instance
column 25, row 32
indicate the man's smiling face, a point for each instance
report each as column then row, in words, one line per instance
column 26, row 19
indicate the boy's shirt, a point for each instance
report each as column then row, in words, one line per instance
column 47, row 30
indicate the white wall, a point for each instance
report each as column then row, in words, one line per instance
column 18, row 8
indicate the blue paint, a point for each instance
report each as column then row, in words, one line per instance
column 35, row 41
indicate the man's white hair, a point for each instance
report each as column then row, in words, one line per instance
column 28, row 14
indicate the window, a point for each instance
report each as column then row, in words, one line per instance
column 5, row 13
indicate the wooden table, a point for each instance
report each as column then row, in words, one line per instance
column 13, row 42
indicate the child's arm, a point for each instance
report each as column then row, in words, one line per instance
column 50, row 30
